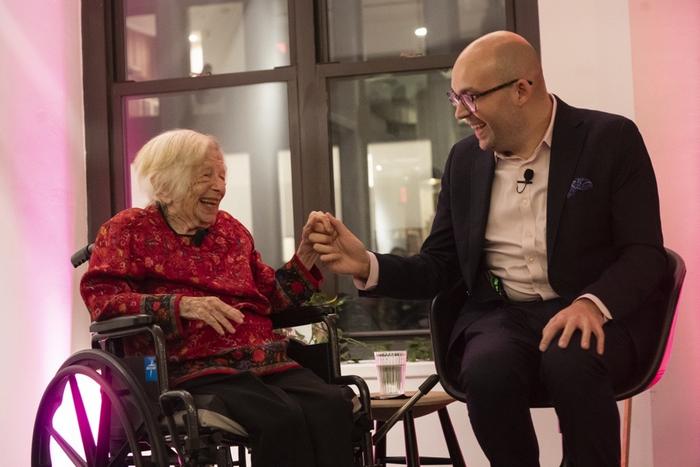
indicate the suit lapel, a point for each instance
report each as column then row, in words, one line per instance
column 479, row 202
column 567, row 144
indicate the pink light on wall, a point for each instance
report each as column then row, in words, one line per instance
column 666, row 67
column 42, row 203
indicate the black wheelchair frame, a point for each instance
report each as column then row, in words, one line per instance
column 138, row 406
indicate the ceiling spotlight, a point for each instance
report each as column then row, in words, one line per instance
column 421, row 32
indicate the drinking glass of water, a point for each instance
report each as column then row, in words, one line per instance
column 391, row 372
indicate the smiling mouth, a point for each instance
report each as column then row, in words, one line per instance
column 477, row 126
column 213, row 202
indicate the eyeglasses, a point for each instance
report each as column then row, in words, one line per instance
column 468, row 99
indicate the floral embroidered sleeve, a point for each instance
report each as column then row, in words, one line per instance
column 290, row 285
column 109, row 286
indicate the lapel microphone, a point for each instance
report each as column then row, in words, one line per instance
column 198, row 237
column 528, row 176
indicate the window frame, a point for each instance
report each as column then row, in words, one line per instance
column 105, row 87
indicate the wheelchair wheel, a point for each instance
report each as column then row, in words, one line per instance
column 124, row 429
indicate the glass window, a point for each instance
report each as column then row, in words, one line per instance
column 251, row 125
column 369, row 29
column 391, row 134
column 389, row 130
column 166, row 39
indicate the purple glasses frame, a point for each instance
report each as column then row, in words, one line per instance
column 468, row 99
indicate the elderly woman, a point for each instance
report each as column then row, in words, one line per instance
column 195, row 269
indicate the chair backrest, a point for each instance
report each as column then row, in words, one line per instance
column 443, row 314
column 656, row 367
column 447, row 304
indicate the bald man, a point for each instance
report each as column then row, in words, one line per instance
column 549, row 214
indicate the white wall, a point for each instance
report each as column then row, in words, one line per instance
column 666, row 63
column 586, row 53
column 42, row 204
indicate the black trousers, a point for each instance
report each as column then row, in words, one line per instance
column 294, row 418
column 502, row 370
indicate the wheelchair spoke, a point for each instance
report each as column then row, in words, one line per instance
column 67, row 448
column 104, row 431
column 83, row 422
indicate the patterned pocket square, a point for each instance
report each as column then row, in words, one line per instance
column 579, row 184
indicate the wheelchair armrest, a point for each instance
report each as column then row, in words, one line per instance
column 359, row 383
column 300, row 316
column 362, row 388
column 121, row 323
column 286, row 319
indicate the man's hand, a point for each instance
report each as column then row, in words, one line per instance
column 317, row 221
column 341, row 250
column 583, row 314
column 212, row 311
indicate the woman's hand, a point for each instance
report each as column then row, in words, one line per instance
column 341, row 251
column 319, row 222
column 212, row 311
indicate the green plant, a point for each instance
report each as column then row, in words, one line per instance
column 319, row 333
column 419, row 349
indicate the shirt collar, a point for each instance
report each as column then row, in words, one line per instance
column 546, row 138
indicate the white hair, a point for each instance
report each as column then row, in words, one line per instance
column 166, row 164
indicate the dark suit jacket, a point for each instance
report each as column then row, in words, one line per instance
column 603, row 238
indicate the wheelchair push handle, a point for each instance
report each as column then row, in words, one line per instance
column 82, row 255
column 429, row 384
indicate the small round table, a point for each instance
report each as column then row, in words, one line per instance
column 383, row 409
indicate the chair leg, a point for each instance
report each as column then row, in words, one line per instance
column 451, row 439
column 241, row 461
column 380, row 447
column 409, row 430
column 626, row 429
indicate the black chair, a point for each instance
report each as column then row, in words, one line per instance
column 447, row 305
column 144, row 423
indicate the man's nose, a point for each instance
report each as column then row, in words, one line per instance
column 462, row 111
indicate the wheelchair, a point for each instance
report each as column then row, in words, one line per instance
column 142, row 422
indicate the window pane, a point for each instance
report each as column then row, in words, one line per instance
column 367, row 29
column 251, row 125
column 390, row 134
column 166, row 39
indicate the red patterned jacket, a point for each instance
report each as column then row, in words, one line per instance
column 140, row 265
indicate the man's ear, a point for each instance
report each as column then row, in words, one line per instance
column 524, row 90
